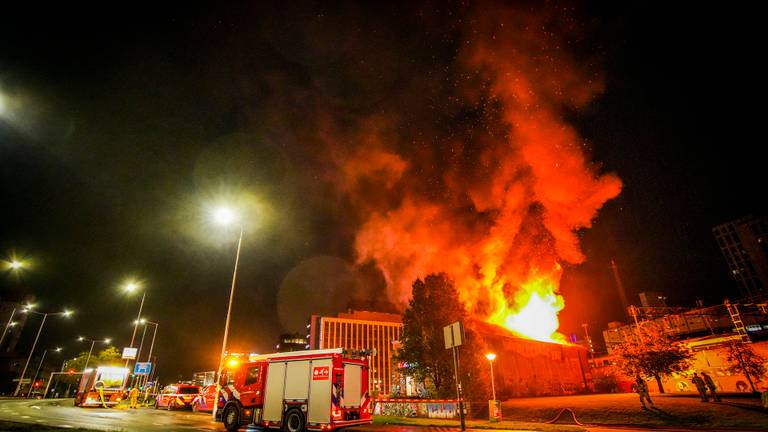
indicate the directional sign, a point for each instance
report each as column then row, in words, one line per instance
column 129, row 353
column 142, row 368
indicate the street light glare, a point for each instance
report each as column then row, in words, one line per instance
column 15, row 265
column 490, row 356
column 67, row 313
column 81, row 339
column 107, row 340
column 131, row 286
column 224, row 216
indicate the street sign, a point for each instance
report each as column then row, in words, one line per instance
column 129, row 353
column 453, row 335
column 142, row 368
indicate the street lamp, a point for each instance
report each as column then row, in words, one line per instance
column 152, row 345
column 131, row 287
column 32, row 383
column 225, row 216
column 93, row 342
column 491, row 357
column 28, row 310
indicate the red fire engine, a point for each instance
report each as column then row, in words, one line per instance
column 102, row 386
column 315, row 390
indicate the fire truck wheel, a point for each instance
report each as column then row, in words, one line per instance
column 231, row 418
column 294, row 421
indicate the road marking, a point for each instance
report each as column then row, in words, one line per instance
column 25, row 417
column 35, row 407
column 66, row 426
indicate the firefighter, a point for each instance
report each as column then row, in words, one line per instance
column 642, row 391
column 134, row 395
column 701, row 386
column 711, row 386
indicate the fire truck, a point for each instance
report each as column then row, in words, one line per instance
column 318, row 390
column 103, row 386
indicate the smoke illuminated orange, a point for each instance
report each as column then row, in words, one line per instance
column 499, row 214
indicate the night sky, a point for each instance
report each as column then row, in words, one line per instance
column 128, row 123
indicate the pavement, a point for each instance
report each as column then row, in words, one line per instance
column 62, row 413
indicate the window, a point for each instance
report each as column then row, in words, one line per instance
column 252, row 375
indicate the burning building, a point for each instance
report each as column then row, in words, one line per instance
column 525, row 367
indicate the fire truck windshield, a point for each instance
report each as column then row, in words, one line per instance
column 189, row 390
column 112, row 378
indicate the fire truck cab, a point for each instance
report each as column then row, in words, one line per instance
column 102, row 386
column 307, row 390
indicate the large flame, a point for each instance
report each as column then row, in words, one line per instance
column 535, row 317
column 498, row 205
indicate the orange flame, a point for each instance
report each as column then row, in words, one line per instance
column 533, row 314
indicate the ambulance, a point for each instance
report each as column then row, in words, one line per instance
column 319, row 390
column 101, row 387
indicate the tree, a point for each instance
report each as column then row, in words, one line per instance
column 652, row 353
column 435, row 304
column 109, row 356
column 744, row 359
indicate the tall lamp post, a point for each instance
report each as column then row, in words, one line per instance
column 491, row 357
column 28, row 309
column 130, row 287
column 90, row 351
column 146, row 322
column 225, row 216
column 32, row 383
column 494, row 412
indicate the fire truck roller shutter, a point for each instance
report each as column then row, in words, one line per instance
column 273, row 395
column 352, row 385
column 297, row 380
column 320, row 391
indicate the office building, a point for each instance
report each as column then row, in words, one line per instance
column 362, row 330
column 744, row 244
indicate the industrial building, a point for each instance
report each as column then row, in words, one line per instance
column 748, row 320
column 525, row 367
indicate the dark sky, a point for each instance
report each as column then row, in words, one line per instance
column 128, row 122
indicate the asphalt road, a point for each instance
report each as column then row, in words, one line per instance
column 61, row 413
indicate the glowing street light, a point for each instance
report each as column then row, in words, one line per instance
column 225, row 216
column 15, row 265
column 491, row 357
column 28, row 310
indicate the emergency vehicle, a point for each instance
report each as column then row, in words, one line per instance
column 177, row 396
column 103, row 386
column 205, row 400
column 318, row 390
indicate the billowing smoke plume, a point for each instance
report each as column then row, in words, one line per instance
column 498, row 202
